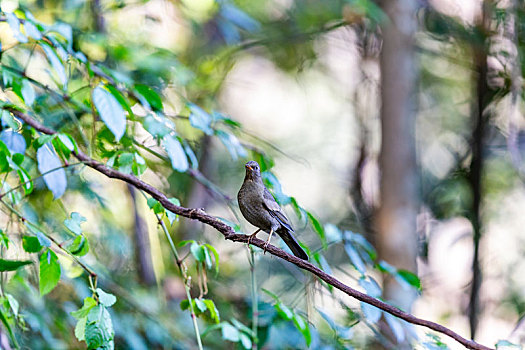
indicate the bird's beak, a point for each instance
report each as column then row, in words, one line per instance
column 248, row 167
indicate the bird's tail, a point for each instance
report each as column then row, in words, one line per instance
column 290, row 241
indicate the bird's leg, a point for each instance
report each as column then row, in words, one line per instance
column 253, row 235
column 268, row 241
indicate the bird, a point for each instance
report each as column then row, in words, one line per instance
column 261, row 210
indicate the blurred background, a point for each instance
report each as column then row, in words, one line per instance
column 295, row 85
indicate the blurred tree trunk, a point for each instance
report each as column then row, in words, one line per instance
column 396, row 217
column 143, row 260
column 514, row 117
column 99, row 24
column 479, row 118
column 366, row 100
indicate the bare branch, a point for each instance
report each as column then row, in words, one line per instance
column 229, row 234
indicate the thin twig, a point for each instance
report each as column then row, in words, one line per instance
column 184, row 275
column 255, row 300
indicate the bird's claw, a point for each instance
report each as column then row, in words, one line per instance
column 265, row 247
column 252, row 235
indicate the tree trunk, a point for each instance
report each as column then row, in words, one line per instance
column 396, row 217
column 143, row 260
column 479, row 118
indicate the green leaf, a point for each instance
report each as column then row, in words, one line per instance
column 172, row 216
column 245, row 341
column 32, row 30
column 371, row 313
column 363, row 243
column 55, row 62
column 200, row 119
column 155, row 205
column 356, row 260
column 12, row 265
column 151, row 98
column 9, row 120
column 25, row 179
column 284, row 311
column 411, row 278
column 80, row 246
column 198, row 252
column 89, row 303
column 120, row 98
column 240, row 326
column 74, row 223
column 18, row 158
column 184, row 304
column 201, row 306
column 49, row 272
column 4, row 239
column 383, row 266
column 264, row 161
column 505, row 344
column 371, row 287
column 207, row 257
column 340, row 330
column 185, row 242
column 321, row 262
column 125, row 162
column 178, row 158
column 215, row 255
column 42, row 140
column 64, row 144
column 14, row 141
column 7, row 325
column 191, row 155
column 44, row 241
column 157, row 126
column 139, row 165
column 318, row 228
column 14, row 23
column 396, row 327
column 214, row 312
column 99, row 329
column 13, row 304
column 28, row 92
column 229, row 332
column 110, row 111
column 54, row 174
column 275, row 297
column 333, row 234
column 80, row 329
column 232, row 144
column 31, row 244
column 106, row 299
column 302, row 326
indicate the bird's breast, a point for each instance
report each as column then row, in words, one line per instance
column 251, row 205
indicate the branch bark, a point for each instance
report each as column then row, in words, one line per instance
column 229, row 234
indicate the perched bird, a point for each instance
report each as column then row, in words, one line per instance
column 261, row 210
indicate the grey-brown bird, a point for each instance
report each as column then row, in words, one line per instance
column 261, row 210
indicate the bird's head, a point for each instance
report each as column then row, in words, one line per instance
column 253, row 171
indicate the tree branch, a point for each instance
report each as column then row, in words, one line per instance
column 229, row 234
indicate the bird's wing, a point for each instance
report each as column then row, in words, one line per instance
column 275, row 210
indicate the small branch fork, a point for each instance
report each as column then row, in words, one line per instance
column 229, row 234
